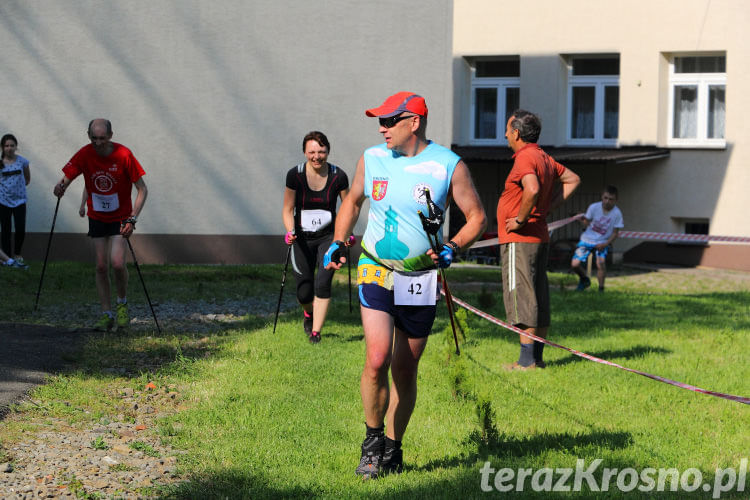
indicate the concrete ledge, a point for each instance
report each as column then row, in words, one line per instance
column 170, row 248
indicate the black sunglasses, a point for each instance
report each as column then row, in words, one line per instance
column 391, row 121
column 97, row 138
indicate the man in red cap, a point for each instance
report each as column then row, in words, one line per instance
column 397, row 274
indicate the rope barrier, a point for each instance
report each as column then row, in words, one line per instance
column 589, row 357
column 640, row 235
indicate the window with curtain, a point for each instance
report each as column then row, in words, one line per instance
column 593, row 99
column 495, row 94
column 697, row 100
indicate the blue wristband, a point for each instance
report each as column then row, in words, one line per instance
column 333, row 254
column 446, row 256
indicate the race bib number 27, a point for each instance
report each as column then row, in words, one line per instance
column 105, row 202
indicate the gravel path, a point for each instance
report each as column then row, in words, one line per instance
column 118, row 458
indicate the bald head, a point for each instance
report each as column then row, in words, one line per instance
column 100, row 135
column 100, row 126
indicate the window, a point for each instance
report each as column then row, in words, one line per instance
column 697, row 101
column 495, row 94
column 696, row 227
column 593, row 100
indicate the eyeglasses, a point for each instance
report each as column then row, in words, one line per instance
column 99, row 138
column 391, row 121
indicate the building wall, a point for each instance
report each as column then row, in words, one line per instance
column 213, row 98
column 655, row 195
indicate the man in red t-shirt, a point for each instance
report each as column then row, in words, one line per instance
column 530, row 193
column 109, row 170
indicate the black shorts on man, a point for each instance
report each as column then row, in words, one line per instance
column 99, row 229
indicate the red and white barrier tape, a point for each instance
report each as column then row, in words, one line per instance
column 645, row 235
column 551, row 227
column 640, row 235
column 682, row 385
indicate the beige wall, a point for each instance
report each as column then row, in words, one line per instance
column 213, row 97
column 693, row 183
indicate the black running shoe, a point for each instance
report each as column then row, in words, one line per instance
column 372, row 456
column 314, row 337
column 393, row 461
column 583, row 283
column 307, row 324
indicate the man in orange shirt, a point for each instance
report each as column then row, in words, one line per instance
column 530, row 193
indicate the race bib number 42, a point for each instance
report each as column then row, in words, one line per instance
column 415, row 289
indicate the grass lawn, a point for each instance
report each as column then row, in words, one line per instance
column 268, row 415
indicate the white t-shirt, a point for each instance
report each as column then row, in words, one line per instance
column 602, row 225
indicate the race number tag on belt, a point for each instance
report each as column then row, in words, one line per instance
column 415, row 289
column 105, row 202
column 314, row 220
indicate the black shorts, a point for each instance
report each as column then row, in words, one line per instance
column 99, row 229
column 414, row 321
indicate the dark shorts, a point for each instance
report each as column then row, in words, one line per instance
column 525, row 286
column 414, row 321
column 99, row 229
column 313, row 280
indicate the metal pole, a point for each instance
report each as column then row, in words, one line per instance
column 349, row 262
column 448, row 297
column 46, row 254
column 281, row 292
column 137, row 268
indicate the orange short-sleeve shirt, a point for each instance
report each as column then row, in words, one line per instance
column 530, row 159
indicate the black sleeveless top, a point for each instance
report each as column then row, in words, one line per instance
column 315, row 211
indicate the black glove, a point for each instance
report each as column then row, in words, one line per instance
column 334, row 253
column 435, row 215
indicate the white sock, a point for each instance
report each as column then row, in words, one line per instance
column 123, row 300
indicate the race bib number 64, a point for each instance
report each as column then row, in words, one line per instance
column 415, row 288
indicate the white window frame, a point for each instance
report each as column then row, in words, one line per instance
column 599, row 83
column 703, row 81
column 501, row 84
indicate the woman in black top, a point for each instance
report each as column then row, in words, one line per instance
column 310, row 198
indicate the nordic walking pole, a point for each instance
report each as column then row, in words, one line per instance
column 281, row 291
column 349, row 262
column 448, row 297
column 137, row 268
column 46, row 254
column 431, row 225
column 350, row 242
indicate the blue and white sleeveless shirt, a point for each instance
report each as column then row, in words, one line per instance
column 395, row 185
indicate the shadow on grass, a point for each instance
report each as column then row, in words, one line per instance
column 461, row 476
column 505, row 447
column 595, row 315
column 611, row 355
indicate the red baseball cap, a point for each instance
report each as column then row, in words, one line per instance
column 399, row 103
